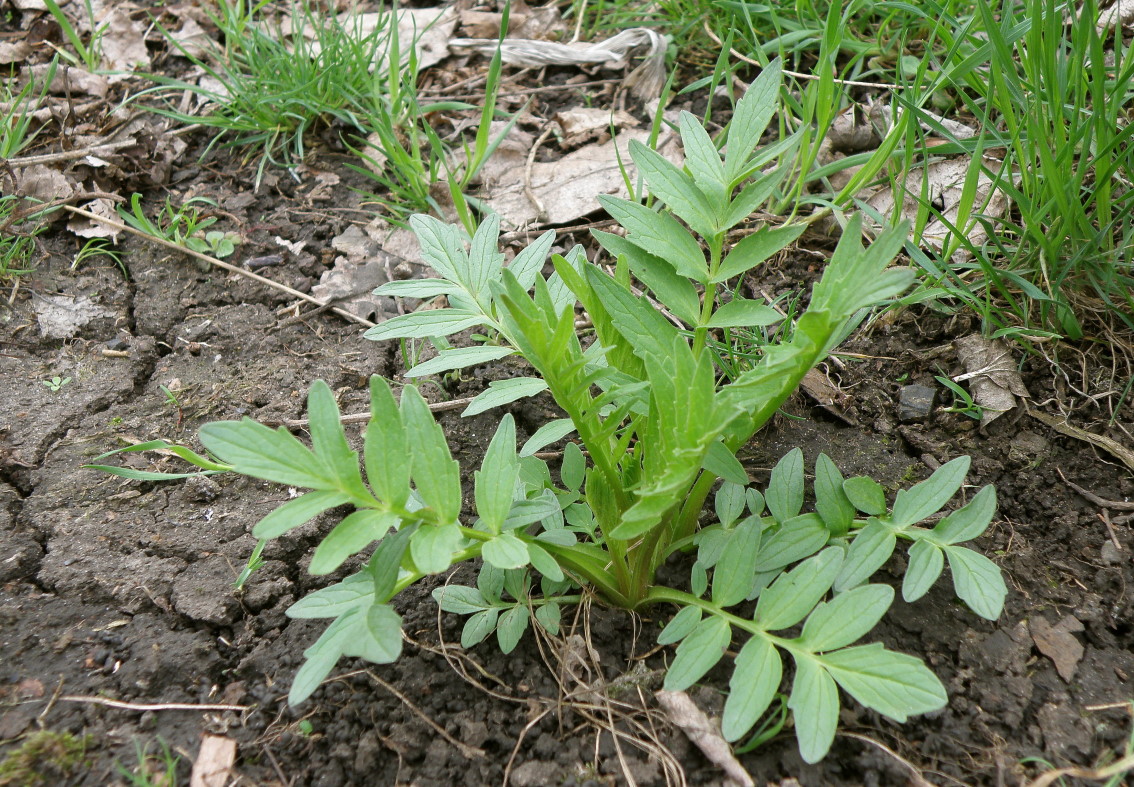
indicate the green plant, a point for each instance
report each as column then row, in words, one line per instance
column 962, row 400
column 44, row 758
column 152, row 769
column 279, row 84
column 100, row 247
column 183, row 225
column 17, row 240
column 89, row 53
column 55, row 384
column 19, row 113
column 657, row 431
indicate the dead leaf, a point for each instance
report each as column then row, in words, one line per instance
column 430, row 30
column 1058, row 643
column 192, row 40
column 581, row 123
column 566, row 189
column 691, row 720
column 1121, row 14
column 85, row 228
column 44, row 184
column 213, row 766
column 61, row 316
column 994, row 381
column 123, row 46
column 355, row 276
column 14, row 52
column 70, row 80
column 944, row 189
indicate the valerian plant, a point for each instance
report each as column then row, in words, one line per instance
column 657, row 429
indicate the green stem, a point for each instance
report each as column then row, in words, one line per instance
column 701, row 332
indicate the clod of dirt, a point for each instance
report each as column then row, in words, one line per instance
column 1059, row 644
column 203, row 592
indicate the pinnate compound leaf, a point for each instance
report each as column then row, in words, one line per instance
column 648, row 333
column 432, row 547
column 506, row 551
column 354, row 592
column 675, row 291
column 386, row 447
column 870, row 549
column 741, row 313
column 894, row 684
column 544, row 563
column 681, row 626
column 846, row 618
column 796, row 539
column 501, row 392
column 460, row 599
column 814, row 703
column 549, row 433
column 495, row 482
column 978, row 582
column 830, row 500
column 919, row 501
column 697, row 653
column 736, row 570
column 435, row 473
column 424, row 324
column 329, row 441
column 417, row 288
column 479, row 626
column 701, row 157
column 865, row 494
column 925, row 566
column 512, row 625
column 676, row 189
column 270, row 454
column 723, row 463
column 376, row 636
column 752, row 114
column 296, row 512
column 755, row 249
column 660, row 235
column 754, row 682
column 356, row 532
column 459, row 358
column 795, row 593
column 784, row 495
column 968, row 522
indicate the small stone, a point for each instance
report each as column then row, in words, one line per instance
column 118, row 344
column 916, row 402
column 1111, row 555
column 201, row 489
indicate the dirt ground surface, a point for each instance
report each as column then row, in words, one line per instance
column 120, row 625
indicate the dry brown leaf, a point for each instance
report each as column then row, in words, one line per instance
column 429, row 28
column 62, row 316
column 213, row 766
column 1058, row 643
column 946, row 181
column 705, row 735
column 14, row 52
column 44, row 184
column 581, row 123
column 123, row 45
column 85, row 228
column 566, row 189
column 1121, row 14
column 193, row 40
column 993, row 379
column 69, row 80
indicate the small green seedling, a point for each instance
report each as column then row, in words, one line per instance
column 218, row 244
column 657, row 427
column 962, row 400
column 55, row 384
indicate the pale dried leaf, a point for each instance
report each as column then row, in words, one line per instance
column 70, row 80
column 62, row 316
column 993, row 379
column 85, row 228
column 430, row 30
column 705, row 734
column 213, row 766
column 1058, row 643
column 41, row 183
column 646, row 80
column 1121, row 14
column 124, row 45
column 193, row 39
column 566, row 189
column 580, row 123
column 946, row 181
column 14, row 52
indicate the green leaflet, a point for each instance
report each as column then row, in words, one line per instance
column 755, row 680
column 697, row 653
column 356, row 532
column 915, row 504
column 495, row 481
column 815, row 705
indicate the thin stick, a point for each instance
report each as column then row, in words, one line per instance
column 218, row 263
column 138, row 706
column 70, row 155
column 1113, row 505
